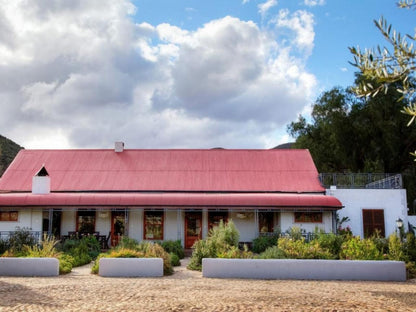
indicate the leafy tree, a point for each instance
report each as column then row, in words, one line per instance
column 389, row 68
column 8, row 150
column 348, row 133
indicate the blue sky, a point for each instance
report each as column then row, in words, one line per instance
column 337, row 25
column 175, row 74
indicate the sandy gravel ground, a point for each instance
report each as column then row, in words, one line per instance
column 189, row 291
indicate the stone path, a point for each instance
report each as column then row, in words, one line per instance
column 188, row 291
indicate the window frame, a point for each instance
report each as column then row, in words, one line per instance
column 9, row 214
column 368, row 232
column 269, row 221
column 220, row 215
column 308, row 217
column 92, row 213
column 145, row 223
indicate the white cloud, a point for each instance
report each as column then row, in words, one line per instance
column 301, row 26
column 83, row 74
column 264, row 7
column 314, row 2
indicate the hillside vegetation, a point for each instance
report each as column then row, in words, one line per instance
column 8, row 150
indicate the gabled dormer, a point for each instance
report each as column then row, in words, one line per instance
column 41, row 182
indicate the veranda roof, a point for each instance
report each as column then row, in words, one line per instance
column 172, row 200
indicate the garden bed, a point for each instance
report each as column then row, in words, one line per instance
column 29, row 266
column 131, row 267
column 302, row 269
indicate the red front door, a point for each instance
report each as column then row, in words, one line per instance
column 117, row 227
column 193, row 228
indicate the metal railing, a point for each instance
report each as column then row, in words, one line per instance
column 4, row 235
column 362, row 180
column 307, row 236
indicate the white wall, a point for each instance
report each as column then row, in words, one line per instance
column 287, row 221
column 392, row 201
column 27, row 218
column 172, row 226
column 103, row 221
column 412, row 220
column 246, row 226
column 136, row 224
column 68, row 221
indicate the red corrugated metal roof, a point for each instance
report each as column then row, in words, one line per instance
column 166, row 170
column 192, row 200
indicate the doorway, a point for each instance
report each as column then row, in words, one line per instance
column 193, row 228
column 118, row 225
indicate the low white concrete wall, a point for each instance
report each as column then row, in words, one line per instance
column 29, row 267
column 304, row 269
column 131, row 267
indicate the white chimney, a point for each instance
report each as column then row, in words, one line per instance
column 119, row 147
column 41, row 182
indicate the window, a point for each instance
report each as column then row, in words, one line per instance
column 308, row 217
column 9, row 216
column 373, row 222
column 214, row 218
column 266, row 222
column 153, row 225
column 86, row 222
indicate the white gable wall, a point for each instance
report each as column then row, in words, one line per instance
column 392, row 201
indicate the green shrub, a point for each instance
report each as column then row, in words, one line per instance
column 300, row 249
column 295, row 233
column 410, row 270
column 395, row 250
column 174, row 247
column 220, row 241
column 381, row 242
column 65, row 263
column 204, row 248
column 18, row 239
column 125, row 253
column 83, row 250
column 330, row 242
column 174, row 259
column 4, row 245
column 356, row 248
column 272, row 253
column 409, row 247
column 127, row 243
column 137, row 250
column 261, row 243
column 235, row 253
column 46, row 248
column 225, row 234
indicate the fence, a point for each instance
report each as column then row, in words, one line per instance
column 4, row 235
column 362, row 180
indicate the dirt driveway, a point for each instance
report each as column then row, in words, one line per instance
column 188, row 291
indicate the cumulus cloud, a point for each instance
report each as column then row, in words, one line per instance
column 301, row 27
column 84, row 74
column 266, row 6
column 314, row 2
